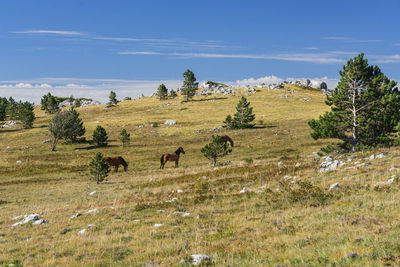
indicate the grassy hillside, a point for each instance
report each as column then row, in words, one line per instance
column 152, row 217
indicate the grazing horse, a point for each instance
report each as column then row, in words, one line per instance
column 174, row 156
column 116, row 161
column 225, row 139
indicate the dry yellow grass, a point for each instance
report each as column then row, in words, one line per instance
column 272, row 223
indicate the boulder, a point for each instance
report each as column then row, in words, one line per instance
column 198, row 259
column 334, row 186
column 329, row 165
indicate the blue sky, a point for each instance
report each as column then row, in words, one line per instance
column 93, row 46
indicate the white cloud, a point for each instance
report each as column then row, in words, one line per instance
column 256, row 81
column 68, row 33
column 97, row 89
column 321, row 58
column 351, row 40
column 385, row 59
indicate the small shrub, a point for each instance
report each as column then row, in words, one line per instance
column 125, row 137
column 100, row 137
column 201, row 189
column 99, row 168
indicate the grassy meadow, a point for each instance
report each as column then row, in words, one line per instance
column 150, row 217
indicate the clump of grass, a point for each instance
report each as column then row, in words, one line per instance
column 303, row 192
column 201, row 188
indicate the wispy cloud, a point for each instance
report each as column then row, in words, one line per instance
column 50, row 32
column 385, row 59
column 351, row 40
column 321, row 58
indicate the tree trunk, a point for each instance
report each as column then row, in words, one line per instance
column 53, row 147
column 355, row 125
column 215, row 161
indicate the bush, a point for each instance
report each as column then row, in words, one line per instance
column 215, row 149
column 49, row 103
column 26, row 115
column 242, row 118
column 125, row 137
column 99, row 168
column 100, row 137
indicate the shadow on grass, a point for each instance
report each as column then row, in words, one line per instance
column 94, row 147
column 209, row 99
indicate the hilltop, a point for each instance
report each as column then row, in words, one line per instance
column 266, row 203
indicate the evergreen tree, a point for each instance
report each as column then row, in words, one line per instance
column 364, row 107
column 77, row 103
column 125, row 137
column 172, row 93
column 12, row 109
column 113, row 99
column 71, row 100
column 73, row 126
column 100, row 137
column 99, row 168
column 3, row 108
column 26, row 115
column 244, row 115
column 57, row 128
column 215, row 149
column 190, row 85
column 49, row 103
column 162, row 92
column 228, row 122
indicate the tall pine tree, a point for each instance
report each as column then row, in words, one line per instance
column 162, row 92
column 364, row 107
column 190, row 85
column 243, row 117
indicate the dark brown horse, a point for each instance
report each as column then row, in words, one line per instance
column 174, row 157
column 225, row 139
column 116, row 161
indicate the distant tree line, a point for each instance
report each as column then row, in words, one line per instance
column 13, row 110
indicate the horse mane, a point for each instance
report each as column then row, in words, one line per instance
column 179, row 150
column 123, row 162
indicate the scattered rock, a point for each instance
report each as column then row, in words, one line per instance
column 82, row 232
column 91, row 211
column 280, row 163
column 9, row 124
column 158, row 225
column 170, row 122
column 41, row 221
column 29, row 218
column 297, row 165
column 329, row 165
column 244, row 190
column 394, row 169
column 18, row 161
column 92, row 193
column 46, row 141
column 197, row 259
column 90, row 225
column 179, row 191
column 334, row 186
column 75, row 216
column 305, row 99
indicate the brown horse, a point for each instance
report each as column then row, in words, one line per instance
column 174, row 157
column 116, row 161
column 225, row 139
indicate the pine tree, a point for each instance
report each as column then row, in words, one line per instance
column 100, row 137
column 364, row 107
column 228, row 122
column 215, row 149
column 244, row 115
column 26, row 115
column 162, row 92
column 125, row 137
column 74, row 126
column 66, row 125
column 3, row 108
column 49, row 103
column 190, row 85
column 172, row 93
column 112, row 99
column 77, row 103
column 99, row 168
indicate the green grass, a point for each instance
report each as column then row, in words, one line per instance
column 274, row 222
